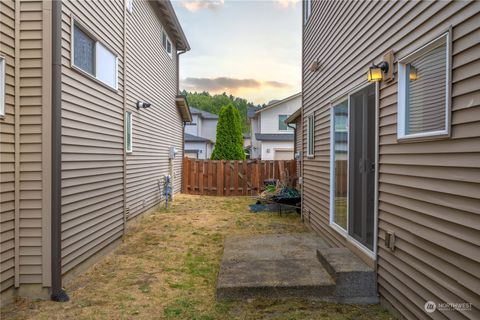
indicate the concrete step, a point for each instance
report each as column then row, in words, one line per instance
column 276, row 266
column 355, row 281
column 286, row 278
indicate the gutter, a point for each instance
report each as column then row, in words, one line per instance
column 57, row 292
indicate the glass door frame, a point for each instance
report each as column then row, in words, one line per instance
column 335, row 101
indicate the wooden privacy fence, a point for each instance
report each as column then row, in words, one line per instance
column 234, row 178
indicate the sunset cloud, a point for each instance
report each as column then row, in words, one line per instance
column 228, row 84
column 195, row 5
column 287, row 3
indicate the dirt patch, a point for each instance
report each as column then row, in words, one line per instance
column 166, row 268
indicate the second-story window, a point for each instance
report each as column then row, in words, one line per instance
column 282, row 126
column 307, row 10
column 166, row 43
column 92, row 57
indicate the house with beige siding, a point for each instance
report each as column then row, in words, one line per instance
column 91, row 123
column 391, row 151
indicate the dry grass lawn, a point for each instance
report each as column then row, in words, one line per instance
column 167, row 266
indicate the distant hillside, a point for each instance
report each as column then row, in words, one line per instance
column 205, row 101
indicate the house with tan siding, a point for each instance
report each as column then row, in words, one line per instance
column 91, row 122
column 391, row 166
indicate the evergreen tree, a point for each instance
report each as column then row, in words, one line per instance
column 229, row 144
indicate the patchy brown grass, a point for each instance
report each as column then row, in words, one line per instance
column 167, row 266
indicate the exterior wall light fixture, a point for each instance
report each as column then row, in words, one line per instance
column 375, row 72
column 143, row 104
column 382, row 71
column 412, row 75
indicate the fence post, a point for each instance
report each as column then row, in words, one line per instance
column 210, row 177
column 185, row 175
column 220, row 177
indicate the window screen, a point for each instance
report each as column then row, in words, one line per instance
column 84, row 51
column 426, row 99
column 107, row 66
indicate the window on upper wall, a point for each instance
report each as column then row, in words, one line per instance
column 282, row 126
column 129, row 4
column 2, row 86
column 166, row 43
column 128, row 132
column 92, row 57
column 307, row 10
column 424, row 91
column 310, row 135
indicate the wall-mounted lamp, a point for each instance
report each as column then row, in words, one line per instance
column 412, row 75
column 382, row 71
column 375, row 72
column 143, row 104
column 315, row 66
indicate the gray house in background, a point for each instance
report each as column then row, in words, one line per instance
column 91, row 122
column 200, row 134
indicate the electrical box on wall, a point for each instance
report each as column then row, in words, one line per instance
column 172, row 153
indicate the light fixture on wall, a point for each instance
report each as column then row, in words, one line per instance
column 315, row 66
column 375, row 72
column 143, row 104
column 382, row 71
column 412, row 75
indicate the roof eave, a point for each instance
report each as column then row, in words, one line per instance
column 182, row 106
column 181, row 42
column 294, row 116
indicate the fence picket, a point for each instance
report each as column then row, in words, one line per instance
column 233, row 178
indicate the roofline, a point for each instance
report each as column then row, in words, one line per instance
column 279, row 102
column 294, row 116
column 167, row 8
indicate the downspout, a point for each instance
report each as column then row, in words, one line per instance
column 57, row 293
column 184, row 123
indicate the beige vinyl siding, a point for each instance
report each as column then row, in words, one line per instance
column 7, row 149
column 31, row 107
column 298, row 142
column 429, row 192
column 151, row 77
column 92, row 139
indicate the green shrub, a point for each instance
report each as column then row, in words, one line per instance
column 229, row 144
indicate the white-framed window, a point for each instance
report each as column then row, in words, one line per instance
column 310, row 135
column 307, row 10
column 282, row 126
column 128, row 132
column 2, row 86
column 166, row 43
column 129, row 4
column 424, row 91
column 92, row 57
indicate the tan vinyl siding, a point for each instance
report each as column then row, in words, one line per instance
column 92, row 139
column 151, row 77
column 429, row 192
column 7, row 148
column 298, row 143
column 22, row 134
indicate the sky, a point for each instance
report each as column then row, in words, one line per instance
column 250, row 49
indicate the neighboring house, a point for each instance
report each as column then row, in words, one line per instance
column 200, row 134
column 90, row 122
column 391, row 169
column 197, row 147
column 271, row 137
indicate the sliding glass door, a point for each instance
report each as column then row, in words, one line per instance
column 353, row 165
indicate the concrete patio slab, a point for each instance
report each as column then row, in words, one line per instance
column 287, row 265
